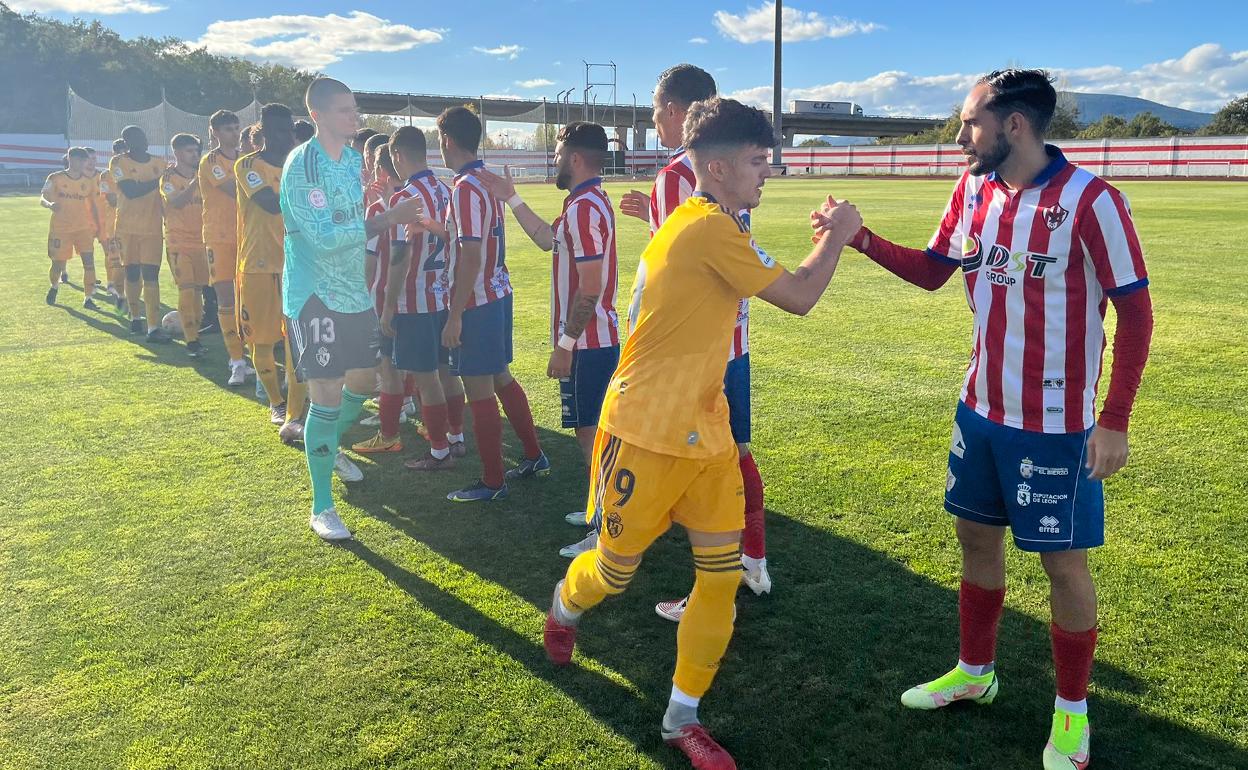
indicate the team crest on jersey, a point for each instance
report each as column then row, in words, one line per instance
column 322, row 356
column 1054, row 216
column 317, row 199
column 218, row 172
column 253, row 179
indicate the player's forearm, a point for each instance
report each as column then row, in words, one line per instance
column 911, row 265
column 584, row 308
column 534, row 226
column 1131, row 344
column 47, row 204
column 811, row 278
column 133, row 189
column 370, row 268
column 377, row 225
column 396, row 275
column 230, row 189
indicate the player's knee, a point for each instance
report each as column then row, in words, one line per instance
column 1066, row 567
column 980, row 541
column 134, row 273
column 150, row 272
column 88, row 261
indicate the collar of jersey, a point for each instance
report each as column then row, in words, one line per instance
column 1057, row 162
column 704, row 194
column 588, row 183
column 478, row 163
column 418, row 175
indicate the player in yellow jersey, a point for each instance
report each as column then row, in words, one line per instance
column 261, row 258
column 105, row 215
column 219, row 191
column 137, row 175
column 664, row 451
column 107, row 209
column 184, row 226
column 69, row 195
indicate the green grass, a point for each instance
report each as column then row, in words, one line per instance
column 164, row 604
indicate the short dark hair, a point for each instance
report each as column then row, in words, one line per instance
column 373, row 142
column 119, row 145
column 222, row 118
column 721, row 123
column 249, row 132
column 461, row 125
column 304, row 130
column 76, row 152
column 361, row 136
column 1030, row 93
column 685, row 84
column 181, row 140
column 589, row 139
column 131, row 129
column 321, row 90
column 409, row 139
column 273, row 112
column 384, row 160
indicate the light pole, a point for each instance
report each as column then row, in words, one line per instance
column 777, row 98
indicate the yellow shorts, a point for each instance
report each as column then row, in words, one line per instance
column 141, row 249
column 62, row 246
column 222, row 261
column 189, row 266
column 260, row 308
column 640, row 493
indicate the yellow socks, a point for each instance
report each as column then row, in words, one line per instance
column 191, row 311
column 229, row 332
column 151, row 298
column 707, row 623
column 266, row 371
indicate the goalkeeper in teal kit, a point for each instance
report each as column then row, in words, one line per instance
column 329, row 312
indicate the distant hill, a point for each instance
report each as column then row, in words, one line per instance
column 1092, row 107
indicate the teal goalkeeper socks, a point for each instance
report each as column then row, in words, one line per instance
column 352, row 403
column 320, row 441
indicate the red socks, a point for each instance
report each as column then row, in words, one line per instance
column 979, row 609
column 455, row 413
column 1072, row 659
column 389, row 405
column 516, row 405
column 754, row 542
column 487, row 426
column 434, row 417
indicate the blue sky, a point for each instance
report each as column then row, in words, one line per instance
column 891, row 57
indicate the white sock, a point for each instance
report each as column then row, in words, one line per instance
column 967, row 668
column 440, row 454
column 564, row 615
column 1071, row 706
column 751, row 564
column 455, row 438
column 683, row 698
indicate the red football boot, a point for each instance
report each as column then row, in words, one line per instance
column 559, row 641
column 701, row 748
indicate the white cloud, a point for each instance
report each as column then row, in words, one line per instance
column 86, row 7
column 758, row 25
column 311, row 42
column 1204, row 79
column 509, row 52
column 698, row 40
column 535, row 83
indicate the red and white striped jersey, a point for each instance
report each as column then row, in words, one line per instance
column 1038, row 265
column 427, row 287
column 475, row 215
column 672, row 186
column 379, row 247
column 585, row 233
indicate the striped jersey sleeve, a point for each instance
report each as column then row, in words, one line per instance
column 1111, row 244
column 946, row 243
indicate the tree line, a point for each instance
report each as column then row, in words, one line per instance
column 41, row 57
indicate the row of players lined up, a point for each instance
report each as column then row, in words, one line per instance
column 1042, row 246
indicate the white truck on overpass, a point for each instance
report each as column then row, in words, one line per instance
column 809, row 107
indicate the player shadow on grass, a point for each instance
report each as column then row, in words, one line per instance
column 814, row 672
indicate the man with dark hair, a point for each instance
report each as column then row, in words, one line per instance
column 261, row 261
column 1042, row 245
column 184, row 233
column 219, row 189
column 360, row 138
column 414, row 298
column 107, row 210
column 139, row 225
column 479, row 320
column 69, row 195
column 329, row 311
column 373, row 190
column 250, row 139
column 304, row 130
column 584, row 324
column 664, row 451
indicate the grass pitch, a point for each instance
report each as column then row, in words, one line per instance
column 164, row 604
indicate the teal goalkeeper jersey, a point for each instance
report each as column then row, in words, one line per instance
column 323, row 207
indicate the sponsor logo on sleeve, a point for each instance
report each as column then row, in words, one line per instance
column 168, row 188
column 117, row 173
column 253, row 179
column 218, row 172
column 763, row 256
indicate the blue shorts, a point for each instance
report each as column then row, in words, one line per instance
column 582, row 393
column 1034, row 483
column 484, row 340
column 418, row 342
column 737, row 389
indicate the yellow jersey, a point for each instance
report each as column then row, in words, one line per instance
column 141, row 215
column 667, row 395
column 74, row 197
column 220, row 208
column 105, row 212
column 260, row 233
column 183, row 226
